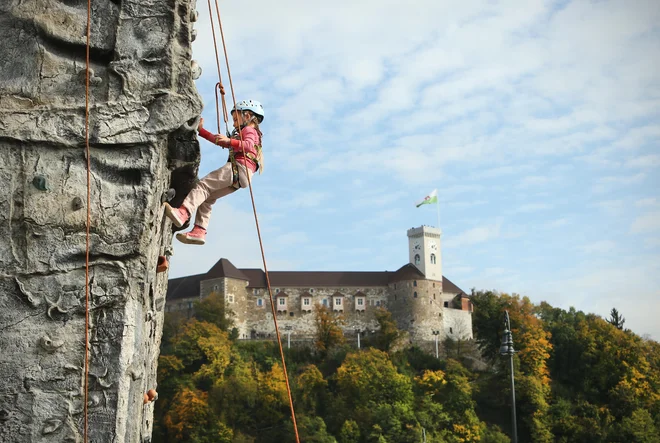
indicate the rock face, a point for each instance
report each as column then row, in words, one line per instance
column 144, row 107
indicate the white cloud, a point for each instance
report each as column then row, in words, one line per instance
column 598, row 247
column 644, row 162
column 474, row 236
column 646, row 223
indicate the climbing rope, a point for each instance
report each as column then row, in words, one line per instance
column 256, row 219
column 87, row 226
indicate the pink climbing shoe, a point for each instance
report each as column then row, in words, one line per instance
column 195, row 237
column 179, row 216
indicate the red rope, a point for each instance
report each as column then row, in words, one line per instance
column 87, row 227
column 256, row 220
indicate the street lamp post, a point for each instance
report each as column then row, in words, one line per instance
column 436, row 334
column 507, row 349
column 288, row 336
column 358, row 335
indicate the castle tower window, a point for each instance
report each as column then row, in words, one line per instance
column 291, row 314
column 415, row 283
column 446, row 304
column 415, row 294
column 282, row 301
column 434, row 285
column 432, row 259
column 325, row 302
column 216, row 288
column 433, row 296
column 337, row 301
column 230, row 298
column 377, row 302
column 306, row 302
column 451, row 330
column 417, row 259
column 260, row 302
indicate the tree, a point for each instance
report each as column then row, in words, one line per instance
column 616, row 319
column 211, row 309
column 191, row 420
column 370, row 377
column 328, row 329
column 387, row 333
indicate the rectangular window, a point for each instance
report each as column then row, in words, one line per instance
column 190, row 305
column 337, row 301
column 282, row 301
column 306, row 301
column 360, row 302
column 378, row 303
column 325, row 302
column 216, row 287
column 260, row 302
column 230, row 298
column 446, row 304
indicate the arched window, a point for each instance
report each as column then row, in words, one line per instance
column 415, row 294
column 417, row 259
column 432, row 259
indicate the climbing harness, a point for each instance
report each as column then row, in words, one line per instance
column 254, row 207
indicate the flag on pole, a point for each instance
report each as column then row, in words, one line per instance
column 431, row 198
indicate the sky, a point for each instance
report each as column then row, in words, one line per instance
column 538, row 122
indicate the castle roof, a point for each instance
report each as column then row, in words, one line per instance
column 256, row 278
column 225, row 268
column 184, row 287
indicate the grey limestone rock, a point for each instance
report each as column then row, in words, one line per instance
column 143, row 113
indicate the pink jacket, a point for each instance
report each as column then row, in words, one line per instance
column 249, row 144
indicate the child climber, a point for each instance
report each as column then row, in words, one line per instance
column 244, row 158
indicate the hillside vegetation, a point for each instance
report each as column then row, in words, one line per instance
column 579, row 378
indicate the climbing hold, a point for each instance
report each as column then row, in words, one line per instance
column 192, row 124
column 162, row 264
column 152, row 395
column 77, row 203
column 168, row 195
column 39, row 182
column 196, row 70
column 146, row 399
column 193, row 35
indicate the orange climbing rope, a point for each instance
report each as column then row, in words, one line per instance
column 89, row 198
column 256, row 218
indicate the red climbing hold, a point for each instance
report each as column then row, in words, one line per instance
column 162, row 264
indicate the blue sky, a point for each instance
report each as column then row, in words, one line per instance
column 538, row 122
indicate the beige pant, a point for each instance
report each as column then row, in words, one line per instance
column 215, row 185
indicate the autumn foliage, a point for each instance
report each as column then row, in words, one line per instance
column 579, row 378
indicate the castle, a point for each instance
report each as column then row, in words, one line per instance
column 422, row 301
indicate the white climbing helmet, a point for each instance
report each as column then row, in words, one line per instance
column 251, row 105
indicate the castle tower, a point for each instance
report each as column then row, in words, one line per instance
column 425, row 252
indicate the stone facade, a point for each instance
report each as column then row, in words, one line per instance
column 420, row 305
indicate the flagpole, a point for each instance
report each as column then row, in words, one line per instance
column 437, row 204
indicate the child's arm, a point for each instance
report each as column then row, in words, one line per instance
column 217, row 139
column 250, row 139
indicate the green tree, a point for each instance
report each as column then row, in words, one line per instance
column 350, row 432
column 639, row 428
column 616, row 319
column 387, row 333
column 328, row 329
column 370, row 377
column 211, row 309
